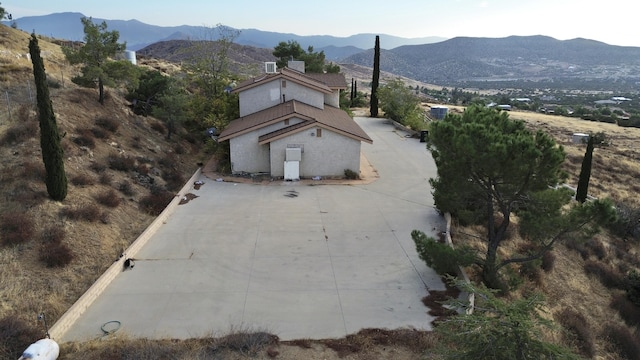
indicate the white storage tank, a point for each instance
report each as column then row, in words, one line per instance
column 130, row 56
column 43, row 349
column 439, row 112
column 580, row 138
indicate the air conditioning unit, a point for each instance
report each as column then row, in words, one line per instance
column 270, row 68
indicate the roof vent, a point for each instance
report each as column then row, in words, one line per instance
column 270, row 67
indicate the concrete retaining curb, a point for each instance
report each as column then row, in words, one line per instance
column 63, row 324
column 471, row 297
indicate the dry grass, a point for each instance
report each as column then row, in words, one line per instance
column 28, row 285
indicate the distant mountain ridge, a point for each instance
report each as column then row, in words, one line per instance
column 137, row 34
column 466, row 61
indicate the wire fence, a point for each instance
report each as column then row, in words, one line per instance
column 15, row 96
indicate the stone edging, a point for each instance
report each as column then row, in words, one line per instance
column 471, row 297
column 80, row 306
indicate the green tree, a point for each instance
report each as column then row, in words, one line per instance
column 209, row 78
column 52, row 153
column 151, row 85
column 314, row 62
column 3, row 12
column 100, row 46
column 172, row 106
column 210, row 65
column 285, row 51
column 399, row 103
column 490, row 167
column 498, row 329
column 373, row 103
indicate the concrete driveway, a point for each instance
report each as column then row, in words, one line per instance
column 296, row 260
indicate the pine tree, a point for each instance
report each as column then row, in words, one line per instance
column 52, row 154
column 376, row 79
column 585, row 172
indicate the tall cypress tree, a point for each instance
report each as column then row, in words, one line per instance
column 351, row 98
column 52, row 154
column 376, row 79
column 585, row 172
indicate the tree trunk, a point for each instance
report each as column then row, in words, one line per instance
column 585, row 173
column 100, row 91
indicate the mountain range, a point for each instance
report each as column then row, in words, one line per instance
column 511, row 62
column 528, row 61
column 137, row 34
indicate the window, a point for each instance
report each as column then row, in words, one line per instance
column 286, row 121
column 284, row 83
column 318, row 132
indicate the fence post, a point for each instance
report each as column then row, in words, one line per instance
column 8, row 105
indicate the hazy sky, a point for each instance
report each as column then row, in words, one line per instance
column 613, row 22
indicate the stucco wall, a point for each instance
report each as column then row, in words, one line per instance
column 333, row 99
column 247, row 155
column 270, row 94
column 328, row 155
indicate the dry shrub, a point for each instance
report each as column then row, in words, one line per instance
column 548, row 261
column 55, row 254
column 629, row 312
column 608, row 276
column 105, row 178
column 158, row 126
column 578, row 331
column 343, row 347
column 99, row 133
column 579, row 247
column 16, row 335
column 597, row 248
column 108, row 124
column 16, row 228
column 25, row 194
column 108, row 198
column 82, row 180
column 418, row 341
column 302, row 343
column 20, row 132
column 179, row 149
column 98, row 167
column 244, row 341
column 174, row 179
column 435, row 302
column 121, row 162
column 622, row 341
column 126, row 188
column 85, row 212
column 85, row 138
column 351, row 175
column 136, row 143
column 156, row 201
column 52, row 234
column 34, row 170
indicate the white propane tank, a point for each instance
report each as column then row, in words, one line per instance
column 43, row 349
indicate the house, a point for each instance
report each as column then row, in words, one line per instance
column 292, row 120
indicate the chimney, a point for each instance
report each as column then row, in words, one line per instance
column 296, row 65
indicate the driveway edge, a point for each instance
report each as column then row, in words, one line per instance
column 59, row 329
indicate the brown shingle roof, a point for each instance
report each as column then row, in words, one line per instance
column 287, row 74
column 334, row 81
column 330, row 118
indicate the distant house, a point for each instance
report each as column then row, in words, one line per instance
column 291, row 126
